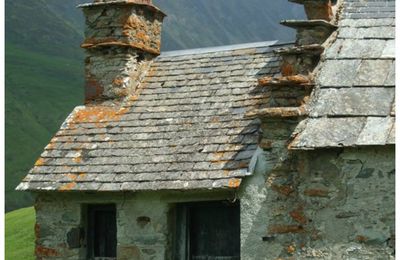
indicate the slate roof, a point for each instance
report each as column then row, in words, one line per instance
column 186, row 129
column 353, row 103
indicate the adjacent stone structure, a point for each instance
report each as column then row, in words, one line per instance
column 299, row 137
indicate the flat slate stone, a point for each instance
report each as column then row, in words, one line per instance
column 360, row 49
column 390, row 50
column 368, row 23
column 376, row 131
column 381, row 32
column 372, row 72
column 329, row 132
column 338, row 73
column 354, row 102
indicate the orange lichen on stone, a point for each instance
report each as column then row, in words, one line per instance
column 76, row 177
column 37, row 231
column 319, row 10
column 284, row 229
column 77, row 159
column 217, row 156
column 283, row 189
column 234, row 183
column 143, row 37
column 291, row 249
column 40, row 162
column 99, row 114
column 68, row 186
column 316, row 193
column 42, row 251
column 51, row 145
column 287, row 69
column 215, row 119
column 243, row 165
column 93, row 89
column 132, row 23
column 361, row 239
column 279, row 112
column 285, row 80
column 118, row 81
column 133, row 98
column 298, row 216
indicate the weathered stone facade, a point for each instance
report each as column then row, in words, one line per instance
column 232, row 125
column 143, row 223
column 337, row 204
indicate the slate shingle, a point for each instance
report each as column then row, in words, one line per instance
column 353, row 103
column 186, row 129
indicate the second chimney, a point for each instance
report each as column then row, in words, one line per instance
column 121, row 38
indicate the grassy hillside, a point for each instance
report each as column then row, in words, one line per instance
column 20, row 234
column 38, row 97
column 44, row 64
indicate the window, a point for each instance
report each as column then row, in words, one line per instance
column 207, row 231
column 101, row 232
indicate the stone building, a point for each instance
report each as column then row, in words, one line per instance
column 254, row 151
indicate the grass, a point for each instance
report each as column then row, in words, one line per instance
column 20, row 234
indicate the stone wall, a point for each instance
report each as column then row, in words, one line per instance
column 338, row 204
column 143, row 223
column 335, row 204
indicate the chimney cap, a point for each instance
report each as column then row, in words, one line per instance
column 148, row 3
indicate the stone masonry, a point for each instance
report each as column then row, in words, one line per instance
column 305, row 146
column 121, row 38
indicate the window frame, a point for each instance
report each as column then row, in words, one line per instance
column 181, row 225
column 91, row 211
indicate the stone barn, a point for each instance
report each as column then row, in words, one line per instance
column 255, row 151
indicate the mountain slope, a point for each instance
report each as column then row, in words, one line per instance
column 203, row 23
column 44, row 64
column 37, row 101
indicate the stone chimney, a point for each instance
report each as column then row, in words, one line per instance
column 121, row 39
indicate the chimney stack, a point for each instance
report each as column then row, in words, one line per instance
column 121, row 38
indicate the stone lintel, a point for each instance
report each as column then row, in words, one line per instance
column 113, row 42
column 308, row 24
column 312, row 49
column 294, row 80
column 279, row 112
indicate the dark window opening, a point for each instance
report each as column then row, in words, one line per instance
column 101, row 232
column 207, row 231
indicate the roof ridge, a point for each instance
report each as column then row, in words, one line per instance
column 223, row 48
